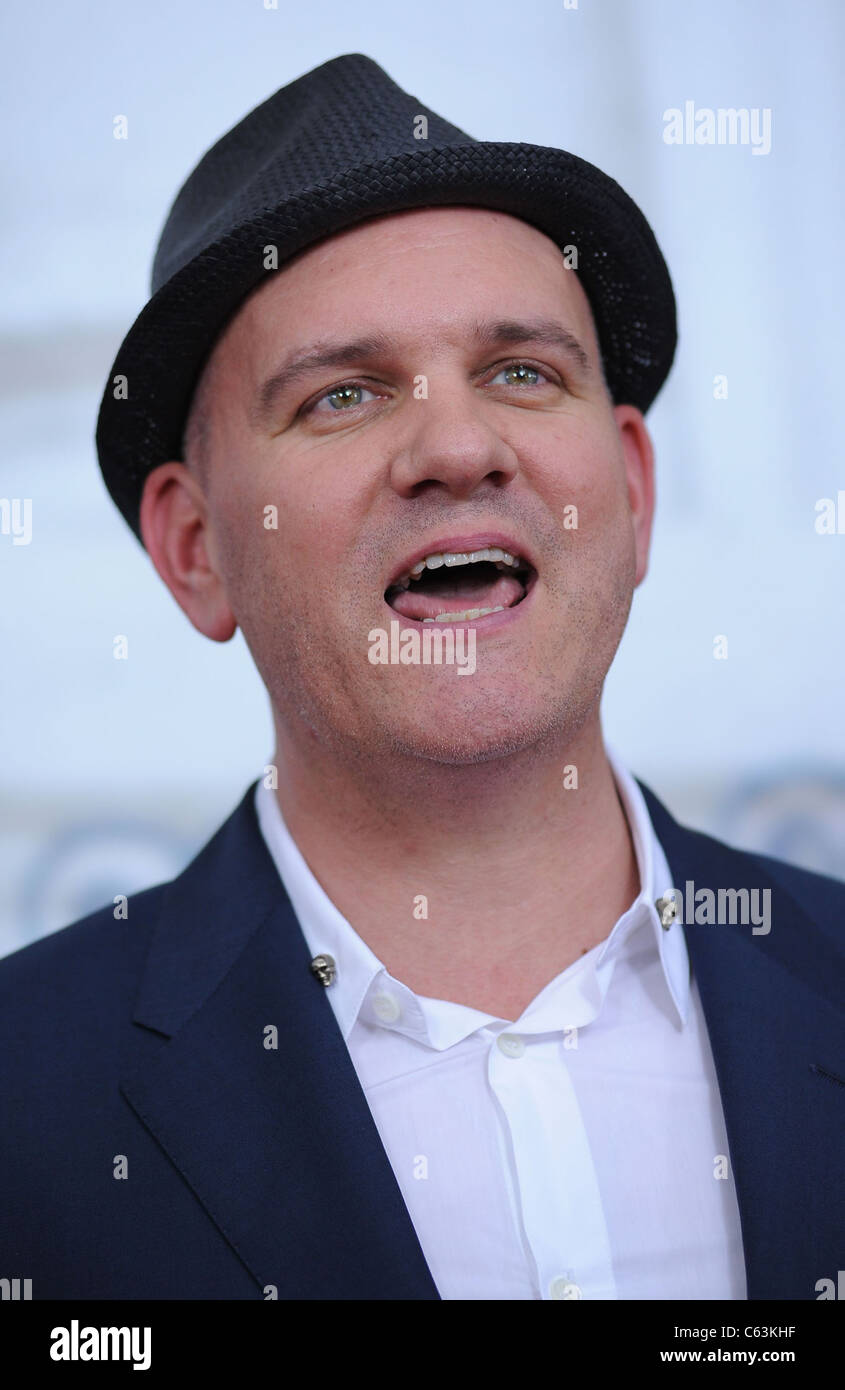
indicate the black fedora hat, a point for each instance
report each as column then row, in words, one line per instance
column 338, row 145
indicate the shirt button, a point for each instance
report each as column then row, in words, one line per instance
column 386, row 1008
column 564, row 1288
column 510, row 1044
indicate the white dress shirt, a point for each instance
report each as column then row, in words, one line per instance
column 574, row 1152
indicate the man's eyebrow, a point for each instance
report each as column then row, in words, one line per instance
column 502, row 332
column 313, row 359
column 494, row 333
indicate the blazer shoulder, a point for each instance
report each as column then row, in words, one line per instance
column 87, row 974
column 821, row 896
column 70, row 963
column 805, row 883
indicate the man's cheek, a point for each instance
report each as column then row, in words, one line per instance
column 603, row 525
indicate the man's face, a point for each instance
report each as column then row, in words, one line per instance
column 435, row 440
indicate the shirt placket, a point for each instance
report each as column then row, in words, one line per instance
column 554, row 1177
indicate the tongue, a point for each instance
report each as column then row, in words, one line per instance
column 457, row 596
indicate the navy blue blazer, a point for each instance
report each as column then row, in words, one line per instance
column 137, row 1046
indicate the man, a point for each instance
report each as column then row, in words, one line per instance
column 430, row 1016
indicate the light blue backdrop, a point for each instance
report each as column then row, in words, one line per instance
column 114, row 771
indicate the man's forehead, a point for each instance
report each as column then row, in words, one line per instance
column 414, row 228
column 516, row 266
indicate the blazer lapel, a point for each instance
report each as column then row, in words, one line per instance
column 278, row 1144
column 775, row 1031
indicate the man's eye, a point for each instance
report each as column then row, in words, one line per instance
column 522, row 374
column 341, row 398
column 351, row 393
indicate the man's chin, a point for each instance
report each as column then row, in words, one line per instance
column 462, row 736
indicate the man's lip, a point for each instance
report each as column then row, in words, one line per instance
column 482, row 540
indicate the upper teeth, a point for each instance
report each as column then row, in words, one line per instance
column 502, row 558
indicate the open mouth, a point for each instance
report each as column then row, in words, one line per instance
column 461, row 586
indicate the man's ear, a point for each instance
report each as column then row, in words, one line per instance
column 174, row 526
column 639, row 469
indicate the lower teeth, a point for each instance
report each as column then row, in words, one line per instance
column 468, row 614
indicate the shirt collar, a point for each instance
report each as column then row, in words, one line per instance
column 655, row 881
column 326, row 930
column 361, row 976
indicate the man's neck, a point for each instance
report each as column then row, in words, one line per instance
column 475, row 884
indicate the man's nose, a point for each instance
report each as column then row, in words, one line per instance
column 451, row 445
